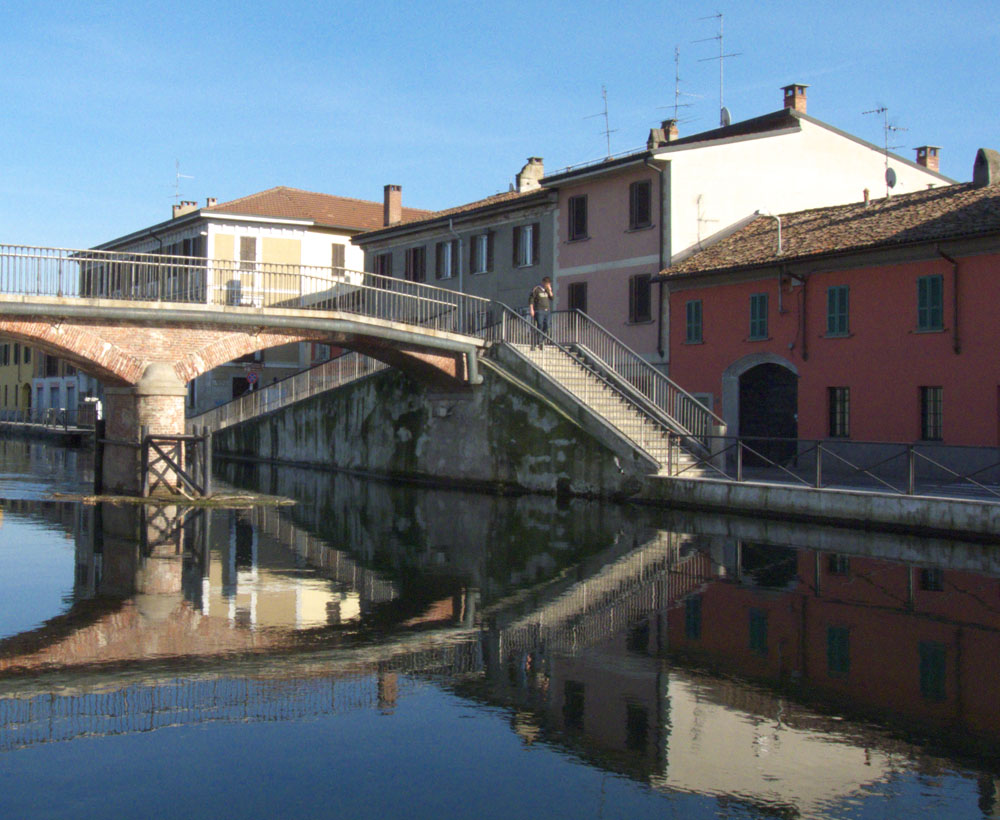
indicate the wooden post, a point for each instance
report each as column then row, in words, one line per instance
column 144, row 455
column 208, row 460
column 99, row 432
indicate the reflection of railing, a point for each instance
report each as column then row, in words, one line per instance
column 325, row 376
column 894, row 467
column 51, row 418
column 122, row 276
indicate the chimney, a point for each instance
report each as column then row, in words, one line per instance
column 986, row 168
column 210, row 202
column 529, row 178
column 795, row 97
column 184, row 207
column 392, row 209
column 927, row 155
column 658, row 137
column 868, row 195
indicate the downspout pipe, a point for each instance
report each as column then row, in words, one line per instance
column 662, row 265
column 956, row 342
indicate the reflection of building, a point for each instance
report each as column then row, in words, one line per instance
column 302, row 236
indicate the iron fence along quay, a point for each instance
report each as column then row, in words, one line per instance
column 121, row 276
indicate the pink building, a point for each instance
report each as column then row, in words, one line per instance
column 622, row 220
column 875, row 321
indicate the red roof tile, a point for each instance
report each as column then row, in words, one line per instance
column 948, row 212
column 323, row 209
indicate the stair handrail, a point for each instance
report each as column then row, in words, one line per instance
column 513, row 328
column 694, row 420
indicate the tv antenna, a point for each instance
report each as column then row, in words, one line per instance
column 677, row 87
column 887, row 128
column 178, row 176
column 608, row 131
column 724, row 117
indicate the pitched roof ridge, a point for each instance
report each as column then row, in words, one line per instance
column 277, row 188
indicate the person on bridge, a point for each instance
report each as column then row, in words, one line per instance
column 540, row 305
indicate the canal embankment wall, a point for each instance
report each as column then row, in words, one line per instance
column 510, row 435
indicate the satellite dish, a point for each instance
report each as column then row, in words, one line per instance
column 725, row 117
column 890, row 177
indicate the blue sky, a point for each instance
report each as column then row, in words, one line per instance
column 446, row 99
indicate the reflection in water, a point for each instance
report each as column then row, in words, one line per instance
column 770, row 670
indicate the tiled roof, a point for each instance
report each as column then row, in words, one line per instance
column 324, row 209
column 948, row 212
column 470, row 207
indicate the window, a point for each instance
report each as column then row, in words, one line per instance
column 383, row 264
column 27, row 355
column 693, row 312
column 526, row 245
column 416, row 264
column 758, row 631
column 931, row 413
column 17, row 353
column 836, row 311
column 446, row 263
column 577, row 208
column 758, row 316
column 576, row 296
column 692, row 617
column 573, row 704
column 930, row 302
column 637, row 638
column 248, row 252
column 839, row 402
column 931, row 579
column 336, row 256
column 640, row 197
column 639, row 298
column 5, row 354
column 481, row 253
column 838, row 651
column 932, row 670
column 636, row 727
column 837, row 564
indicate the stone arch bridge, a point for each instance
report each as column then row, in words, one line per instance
column 145, row 325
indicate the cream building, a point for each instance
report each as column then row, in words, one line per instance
column 263, row 231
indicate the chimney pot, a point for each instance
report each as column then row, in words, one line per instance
column 392, row 209
column 867, row 195
column 210, row 202
column 929, row 156
column 185, row 206
column 795, row 97
column 666, row 133
column 986, row 168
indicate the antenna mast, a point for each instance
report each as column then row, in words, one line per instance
column 887, row 127
column 608, row 131
column 178, row 176
column 721, row 58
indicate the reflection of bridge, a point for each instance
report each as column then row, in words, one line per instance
column 93, row 695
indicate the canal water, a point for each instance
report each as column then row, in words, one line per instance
column 379, row 650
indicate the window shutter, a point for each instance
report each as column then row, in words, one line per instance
column 536, row 236
column 337, row 255
column 489, row 250
column 516, row 244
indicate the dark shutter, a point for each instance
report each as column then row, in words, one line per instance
column 536, row 241
column 489, row 251
column 337, row 255
column 439, row 271
column 516, row 244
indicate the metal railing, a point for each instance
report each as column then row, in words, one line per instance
column 116, row 275
column 657, row 394
column 901, row 468
column 325, row 376
column 51, row 418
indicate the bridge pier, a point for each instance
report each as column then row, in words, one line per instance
column 155, row 402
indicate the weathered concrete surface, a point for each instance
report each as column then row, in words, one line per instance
column 844, row 507
column 498, row 436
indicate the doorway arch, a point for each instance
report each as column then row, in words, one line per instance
column 760, row 398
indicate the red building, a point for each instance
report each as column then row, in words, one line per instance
column 875, row 321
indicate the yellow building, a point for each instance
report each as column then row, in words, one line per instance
column 15, row 379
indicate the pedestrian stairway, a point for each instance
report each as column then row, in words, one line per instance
column 609, row 400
